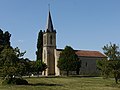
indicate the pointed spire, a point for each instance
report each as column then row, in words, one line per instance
column 49, row 27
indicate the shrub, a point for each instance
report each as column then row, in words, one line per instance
column 15, row 81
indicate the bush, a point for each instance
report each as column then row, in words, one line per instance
column 15, row 81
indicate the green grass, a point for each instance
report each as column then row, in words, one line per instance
column 65, row 83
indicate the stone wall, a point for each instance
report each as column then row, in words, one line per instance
column 89, row 65
column 57, row 54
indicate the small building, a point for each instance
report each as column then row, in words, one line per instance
column 88, row 61
column 51, row 53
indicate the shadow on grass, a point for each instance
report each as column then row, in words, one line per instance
column 44, row 84
column 83, row 76
column 114, row 85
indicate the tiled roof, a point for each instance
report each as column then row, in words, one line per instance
column 86, row 53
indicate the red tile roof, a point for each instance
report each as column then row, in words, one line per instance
column 84, row 53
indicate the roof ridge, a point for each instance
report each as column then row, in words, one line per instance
column 88, row 50
column 83, row 50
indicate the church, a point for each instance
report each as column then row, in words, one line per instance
column 50, row 54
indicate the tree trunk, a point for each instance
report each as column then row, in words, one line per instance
column 116, row 80
column 38, row 73
column 67, row 73
column 77, row 71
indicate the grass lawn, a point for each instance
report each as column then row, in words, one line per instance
column 65, row 83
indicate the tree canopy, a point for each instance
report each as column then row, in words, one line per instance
column 4, row 39
column 112, row 51
column 39, row 46
column 10, row 63
column 68, row 60
column 111, row 65
column 40, row 66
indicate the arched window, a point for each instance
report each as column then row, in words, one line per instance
column 51, row 39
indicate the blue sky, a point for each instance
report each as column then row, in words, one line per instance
column 82, row 24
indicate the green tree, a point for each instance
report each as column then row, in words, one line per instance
column 102, row 65
column 10, row 62
column 27, row 65
column 39, row 45
column 1, row 37
column 112, row 64
column 1, row 40
column 22, row 67
column 6, row 37
column 40, row 66
column 4, row 40
column 68, row 60
column 112, row 51
column 78, row 65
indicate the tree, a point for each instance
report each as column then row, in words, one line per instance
column 1, row 40
column 4, row 40
column 6, row 37
column 40, row 66
column 1, row 37
column 112, row 51
column 68, row 60
column 102, row 65
column 39, row 45
column 10, row 62
column 78, row 65
column 23, row 67
column 31, row 67
column 10, row 66
column 27, row 67
column 112, row 64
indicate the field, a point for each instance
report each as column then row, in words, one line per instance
column 65, row 83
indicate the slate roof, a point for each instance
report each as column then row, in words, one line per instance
column 86, row 53
column 49, row 26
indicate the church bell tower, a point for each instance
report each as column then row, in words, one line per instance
column 49, row 46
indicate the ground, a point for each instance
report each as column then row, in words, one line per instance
column 65, row 83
